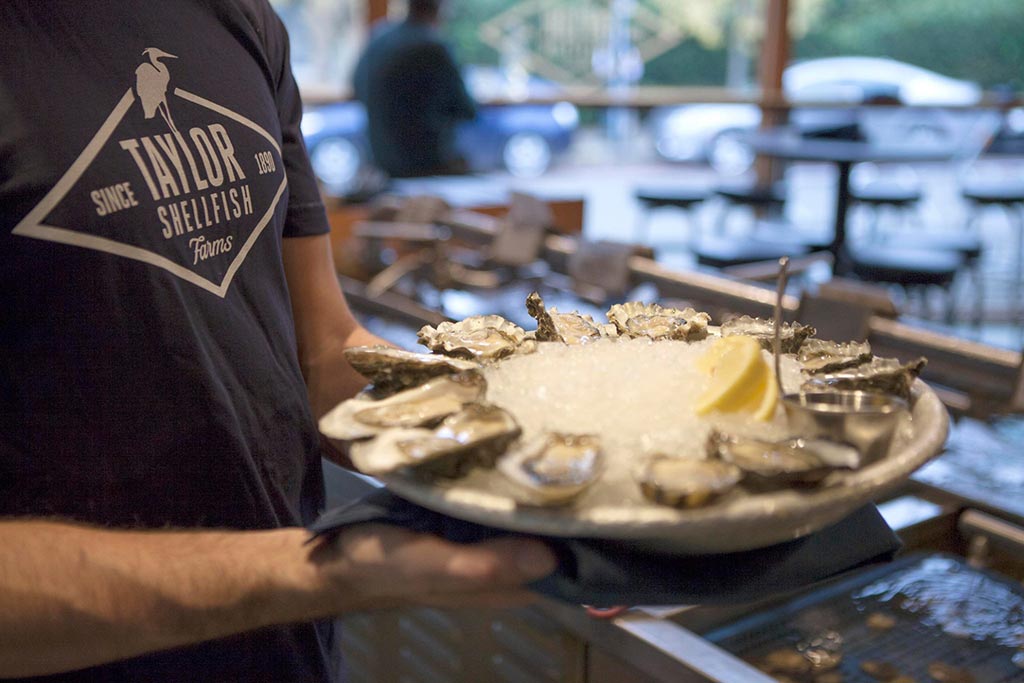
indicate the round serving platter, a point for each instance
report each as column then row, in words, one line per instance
column 743, row 523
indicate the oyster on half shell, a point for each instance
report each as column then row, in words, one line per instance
column 791, row 335
column 390, row 369
column 634, row 319
column 821, row 356
column 472, row 437
column 883, row 375
column 554, row 468
column 685, row 482
column 770, row 465
column 480, row 337
column 362, row 417
column 568, row 328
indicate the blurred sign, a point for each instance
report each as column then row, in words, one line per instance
column 559, row 39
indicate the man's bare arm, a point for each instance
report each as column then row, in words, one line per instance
column 73, row 596
column 324, row 324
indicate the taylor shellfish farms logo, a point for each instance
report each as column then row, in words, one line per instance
column 171, row 179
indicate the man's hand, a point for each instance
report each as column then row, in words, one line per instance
column 384, row 566
column 73, row 596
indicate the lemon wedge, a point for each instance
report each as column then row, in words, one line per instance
column 770, row 398
column 713, row 355
column 739, row 376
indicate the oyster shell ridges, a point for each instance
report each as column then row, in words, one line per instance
column 685, row 482
column 554, row 468
column 472, row 437
column 482, row 337
column 772, row 465
column 882, row 375
column 791, row 335
column 390, row 369
column 634, row 319
column 821, row 356
column 568, row 328
column 362, row 417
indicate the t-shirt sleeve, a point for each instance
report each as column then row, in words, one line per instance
column 306, row 214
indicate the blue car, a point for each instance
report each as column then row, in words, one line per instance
column 522, row 139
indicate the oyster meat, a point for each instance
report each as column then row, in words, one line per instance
column 634, row 319
column 791, row 335
column 821, row 356
column 554, row 468
column 480, row 337
column 472, row 437
column 882, row 375
column 770, row 465
column 390, row 369
column 685, row 482
column 427, row 404
column 568, row 328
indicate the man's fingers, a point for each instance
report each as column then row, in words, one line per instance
column 506, row 561
column 394, row 562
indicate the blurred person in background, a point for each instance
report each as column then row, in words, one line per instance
column 411, row 86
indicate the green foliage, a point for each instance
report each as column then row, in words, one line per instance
column 689, row 63
column 462, row 28
column 980, row 40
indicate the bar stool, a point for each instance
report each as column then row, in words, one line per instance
column 758, row 198
column 721, row 252
column 1008, row 196
column 782, row 231
column 913, row 270
column 879, row 188
column 970, row 248
column 683, row 199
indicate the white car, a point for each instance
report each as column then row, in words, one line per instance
column 713, row 132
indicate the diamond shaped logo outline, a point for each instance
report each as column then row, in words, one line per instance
column 32, row 224
column 656, row 37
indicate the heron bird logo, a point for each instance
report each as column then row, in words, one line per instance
column 151, row 80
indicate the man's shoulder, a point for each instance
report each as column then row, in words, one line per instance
column 258, row 13
column 407, row 35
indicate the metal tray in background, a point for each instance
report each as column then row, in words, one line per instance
column 954, row 593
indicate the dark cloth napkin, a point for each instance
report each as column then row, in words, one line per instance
column 600, row 572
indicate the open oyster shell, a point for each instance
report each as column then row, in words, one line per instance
column 791, row 335
column 480, row 337
column 883, row 375
column 685, row 482
column 568, row 328
column 472, row 437
column 390, row 369
column 554, row 468
column 821, row 356
column 389, row 451
column 634, row 319
column 770, row 465
column 363, row 417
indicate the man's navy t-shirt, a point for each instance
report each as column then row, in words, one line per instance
column 150, row 166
